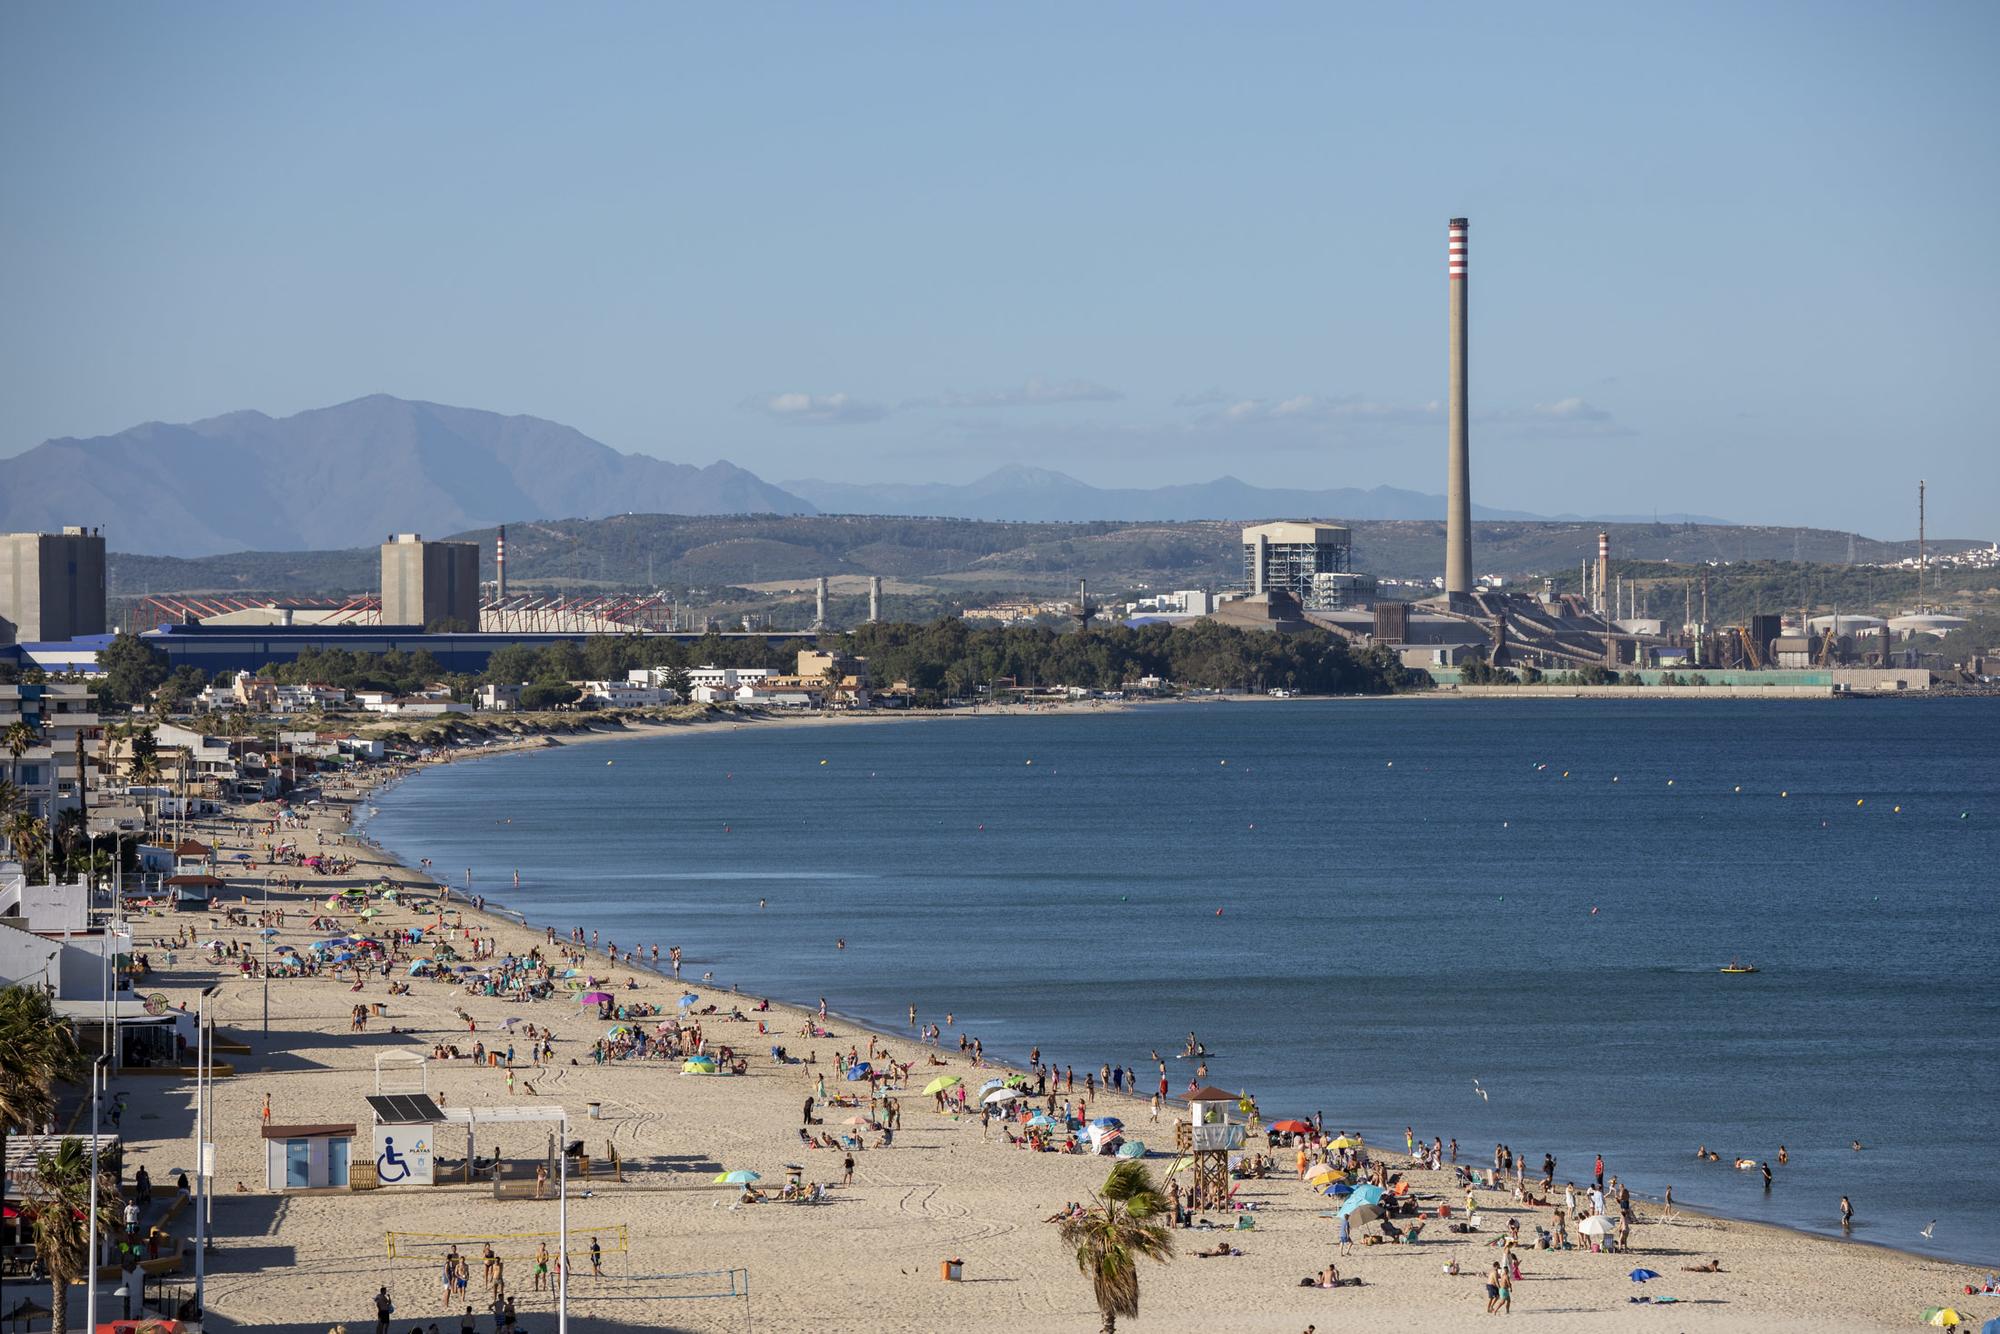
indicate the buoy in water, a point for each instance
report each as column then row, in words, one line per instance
column 1859, row 800
column 1739, row 787
column 1895, row 810
column 1031, row 761
column 1670, row 782
column 822, row 761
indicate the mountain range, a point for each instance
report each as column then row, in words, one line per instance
column 344, row 476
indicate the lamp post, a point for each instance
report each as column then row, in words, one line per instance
column 202, row 1131
column 562, row 1230
column 90, row 1281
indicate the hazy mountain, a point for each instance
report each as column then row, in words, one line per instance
column 1037, row 495
column 347, row 475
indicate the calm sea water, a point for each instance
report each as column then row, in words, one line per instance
column 1362, row 907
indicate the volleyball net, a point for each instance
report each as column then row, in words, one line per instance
column 612, row 1239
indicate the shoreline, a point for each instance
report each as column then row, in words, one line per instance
column 300, row 1262
column 1014, row 1062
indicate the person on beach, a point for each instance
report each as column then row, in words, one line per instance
column 384, row 1308
column 1846, row 1214
column 1600, row 1171
column 1493, row 1287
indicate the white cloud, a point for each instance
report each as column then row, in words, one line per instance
column 1037, row 392
column 817, row 409
column 1572, row 409
column 1566, row 418
column 1319, row 408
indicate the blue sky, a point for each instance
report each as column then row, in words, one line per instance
column 1727, row 259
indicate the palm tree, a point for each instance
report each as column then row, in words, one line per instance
column 1113, row 1232
column 19, row 740
column 58, row 1202
column 37, row 1049
column 29, row 839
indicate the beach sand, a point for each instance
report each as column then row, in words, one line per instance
column 870, row 1259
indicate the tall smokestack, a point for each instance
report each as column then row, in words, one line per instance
column 874, row 598
column 1603, row 570
column 500, row 565
column 1458, row 482
column 819, row 615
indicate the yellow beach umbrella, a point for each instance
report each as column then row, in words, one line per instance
column 1944, row 1317
column 1324, row 1173
column 1179, row 1165
column 1345, row 1142
column 941, row 1083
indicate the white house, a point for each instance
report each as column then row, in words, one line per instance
column 625, row 694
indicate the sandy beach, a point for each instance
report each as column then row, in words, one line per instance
column 868, row 1259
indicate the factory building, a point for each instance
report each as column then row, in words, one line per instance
column 51, row 586
column 430, row 584
column 1314, row 562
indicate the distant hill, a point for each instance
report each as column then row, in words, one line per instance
column 1039, row 495
column 347, row 475
column 969, row 555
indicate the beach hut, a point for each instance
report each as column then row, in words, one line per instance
column 307, row 1157
column 193, row 892
column 405, row 1133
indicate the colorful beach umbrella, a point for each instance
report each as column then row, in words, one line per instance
column 688, row 1000
column 594, row 997
column 1107, row 1123
column 740, row 1177
column 1291, row 1127
column 1324, row 1173
column 692, row 1067
column 1132, row 1148
column 1363, row 1197
column 941, row 1083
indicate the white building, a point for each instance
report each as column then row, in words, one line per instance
column 625, row 694
column 46, row 772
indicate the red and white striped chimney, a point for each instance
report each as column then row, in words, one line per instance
column 1455, row 254
column 500, row 565
column 1603, row 571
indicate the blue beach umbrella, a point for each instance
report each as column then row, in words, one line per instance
column 860, row 1071
column 1108, row 1122
column 688, row 1000
column 1362, row 1195
column 343, row 956
column 1041, row 1120
column 1132, row 1148
column 268, row 932
column 1643, row 1275
column 1339, row 1188
column 420, row 966
column 992, row 1084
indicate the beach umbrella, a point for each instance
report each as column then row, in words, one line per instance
column 1180, row 1164
column 1001, row 1095
column 1345, row 1142
column 420, row 967
column 1945, row 1318
column 617, row 1031
column 1360, row 1215
column 1643, row 1275
column 343, row 956
column 1322, row 1174
column 1338, row 1189
column 859, row 1121
column 1292, row 1127
column 1367, row 1195
column 1107, row 1122
column 1132, row 1148
column 1041, row 1120
column 692, row 1067
column 1016, row 1081
column 211, row 944
column 860, row 1071
column 740, row 1177
column 268, row 932
column 991, row 1084
column 1597, row 1225
column 1991, row 1327
column 594, row 997
column 941, row 1083
column 688, row 1000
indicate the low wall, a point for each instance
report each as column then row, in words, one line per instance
column 1640, row 692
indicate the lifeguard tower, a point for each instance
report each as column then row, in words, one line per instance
column 1209, row 1135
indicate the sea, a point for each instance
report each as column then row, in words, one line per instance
column 1500, row 922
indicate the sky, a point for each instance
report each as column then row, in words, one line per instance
column 1724, row 258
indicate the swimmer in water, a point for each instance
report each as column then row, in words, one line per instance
column 760, row 903
column 840, row 942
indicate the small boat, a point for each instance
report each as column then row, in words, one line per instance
column 1735, row 967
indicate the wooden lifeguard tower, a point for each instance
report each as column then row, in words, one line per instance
column 1209, row 1135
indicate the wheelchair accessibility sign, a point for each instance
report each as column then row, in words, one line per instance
column 403, row 1155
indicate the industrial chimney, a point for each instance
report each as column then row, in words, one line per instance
column 1603, row 573
column 1458, row 482
column 500, row 565
column 819, row 614
column 874, row 598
